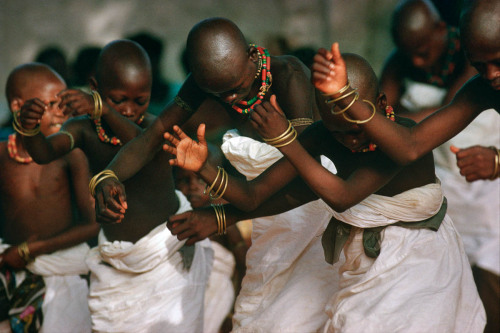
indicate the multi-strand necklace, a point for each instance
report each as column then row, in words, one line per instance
column 389, row 113
column 264, row 70
column 452, row 57
column 101, row 133
column 13, row 153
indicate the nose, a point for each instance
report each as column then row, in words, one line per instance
column 492, row 72
column 229, row 98
column 127, row 110
column 418, row 61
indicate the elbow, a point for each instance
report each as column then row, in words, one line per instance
column 408, row 158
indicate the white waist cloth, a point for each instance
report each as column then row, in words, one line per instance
column 420, row 282
column 287, row 282
column 65, row 302
column 476, row 202
column 144, row 287
column 219, row 296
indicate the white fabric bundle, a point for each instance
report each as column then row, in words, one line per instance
column 287, row 282
column 420, row 282
column 144, row 287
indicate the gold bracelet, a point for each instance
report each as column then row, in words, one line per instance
column 340, row 91
column 354, row 91
column 279, row 136
column 24, row 252
column 223, row 185
column 294, row 136
column 99, row 178
column 354, row 99
column 71, row 140
column 23, row 131
column 220, row 214
column 496, row 170
column 301, row 122
column 208, row 189
column 97, row 105
column 362, row 121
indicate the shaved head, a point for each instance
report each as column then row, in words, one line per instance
column 122, row 61
column 216, row 50
column 361, row 76
column 413, row 21
column 27, row 79
column 480, row 24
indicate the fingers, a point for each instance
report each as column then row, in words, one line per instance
column 170, row 149
column 104, row 214
column 336, row 56
column 454, row 149
column 180, row 133
column 274, row 103
column 172, row 139
column 200, row 133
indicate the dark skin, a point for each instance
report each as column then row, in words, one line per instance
column 421, row 38
column 223, row 72
column 359, row 174
column 124, row 82
column 480, row 35
column 37, row 201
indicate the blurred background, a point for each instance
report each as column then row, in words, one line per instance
column 69, row 33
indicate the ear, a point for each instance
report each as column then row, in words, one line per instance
column 93, row 83
column 253, row 53
column 16, row 104
column 381, row 102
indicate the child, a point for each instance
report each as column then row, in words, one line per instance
column 228, row 79
column 46, row 216
column 137, row 264
column 404, row 259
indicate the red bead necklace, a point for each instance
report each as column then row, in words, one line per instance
column 101, row 133
column 13, row 153
column 266, row 81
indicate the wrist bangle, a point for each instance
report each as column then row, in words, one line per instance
column 340, row 91
column 99, row 178
column 362, row 121
column 496, row 170
column 23, row 131
column 24, row 252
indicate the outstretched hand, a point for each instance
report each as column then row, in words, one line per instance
column 268, row 119
column 110, row 201
column 189, row 154
column 329, row 73
column 194, row 225
column 475, row 162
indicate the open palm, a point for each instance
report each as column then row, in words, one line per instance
column 189, row 154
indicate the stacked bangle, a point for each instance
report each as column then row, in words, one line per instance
column 220, row 214
column 496, row 170
column 24, row 252
column 362, row 121
column 97, row 105
column 99, row 178
column 340, row 91
column 23, row 131
column 284, row 139
column 222, row 185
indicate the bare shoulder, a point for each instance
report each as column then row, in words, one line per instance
column 477, row 94
column 288, row 67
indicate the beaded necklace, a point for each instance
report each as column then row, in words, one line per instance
column 101, row 133
column 452, row 57
column 13, row 153
column 266, row 81
column 389, row 113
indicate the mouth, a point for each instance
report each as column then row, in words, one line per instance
column 56, row 125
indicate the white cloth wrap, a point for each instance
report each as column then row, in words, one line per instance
column 219, row 296
column 144, row 287
column 420, row 282
column 476, row 201
column 287, row 282
column 65, row 306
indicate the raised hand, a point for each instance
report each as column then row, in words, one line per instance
column 194, row 225
column 190, row 155
column 476, row 162
column 31, row 113
column 110, row 201
column 268, row 119
column 76, row 102
column 329, row 73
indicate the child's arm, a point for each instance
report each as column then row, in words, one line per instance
column 404, row 145
column 338, row 193
column 192, row 155
column 77, row 102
